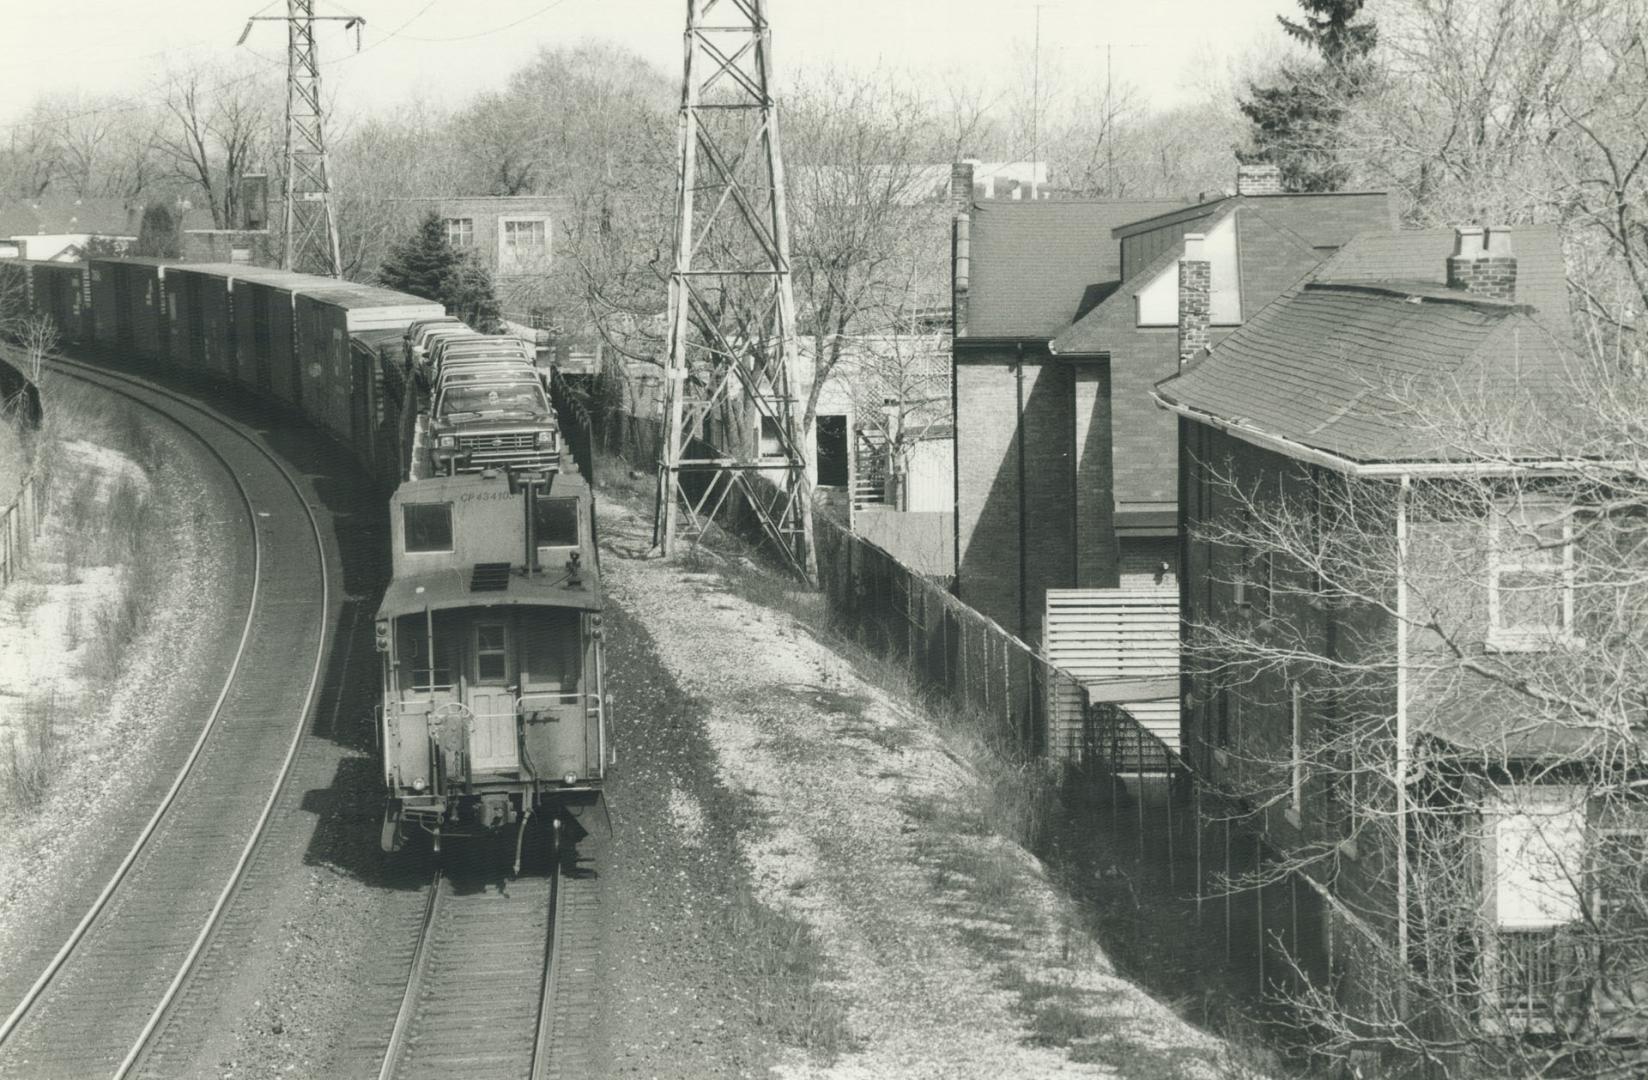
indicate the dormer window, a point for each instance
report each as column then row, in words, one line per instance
column 1531, row 577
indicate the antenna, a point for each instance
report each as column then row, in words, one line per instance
column 732, row 339
column 311, row 216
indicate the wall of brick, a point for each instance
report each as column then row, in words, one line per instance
column 987, row 467
column 1095, row 526
column 1493, row 278
column 1049, row 427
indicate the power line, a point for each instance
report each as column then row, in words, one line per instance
column 495, row 30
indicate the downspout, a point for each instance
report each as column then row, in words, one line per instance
column 1402, row 762
column 961, row 242
column 1018, row 377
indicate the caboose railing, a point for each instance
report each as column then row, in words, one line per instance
column 591, row 702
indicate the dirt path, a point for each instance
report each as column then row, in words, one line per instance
column 948, row 950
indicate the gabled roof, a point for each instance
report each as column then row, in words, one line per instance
column 1032, row 261
column 1336, row 364
column 1320, row 219
column 1104, row 327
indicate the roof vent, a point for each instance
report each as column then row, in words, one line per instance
column 489, row 577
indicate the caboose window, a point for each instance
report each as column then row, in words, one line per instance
column 557, row 522
column 491, row 653
column 428, row 526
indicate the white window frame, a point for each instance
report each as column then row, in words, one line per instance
column 461, row 225
column 1500, row 562
column 510, row 255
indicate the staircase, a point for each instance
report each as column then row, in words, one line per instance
column 870, row 470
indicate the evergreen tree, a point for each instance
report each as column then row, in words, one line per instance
column 160, row 233
column 426, row 264
column 1295, row 121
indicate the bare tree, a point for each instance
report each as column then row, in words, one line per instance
column 33, row 158
column 1441, row 681
column 221, row 125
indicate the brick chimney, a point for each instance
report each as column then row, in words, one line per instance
column 1482, row 262
column 1260, row 179
column 961, row 187
column 961, row 242
column 1195, row 297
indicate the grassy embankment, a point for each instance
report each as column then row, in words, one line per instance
column 1032, row 802
column 82, row 599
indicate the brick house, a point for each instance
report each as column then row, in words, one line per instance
column 1066, row 314
column 514, row 235
column 1312, row 394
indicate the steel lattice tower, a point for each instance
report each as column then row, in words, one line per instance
column 311, row 218
column 732, row 335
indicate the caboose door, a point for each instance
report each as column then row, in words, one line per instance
column 492, row 743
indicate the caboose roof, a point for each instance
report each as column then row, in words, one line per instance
column 448, row 588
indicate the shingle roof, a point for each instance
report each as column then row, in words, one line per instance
column 1033, row 261
column 68, row 215
column 1271, row 252
column 1338, row 363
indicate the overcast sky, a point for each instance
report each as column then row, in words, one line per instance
column 449, row 49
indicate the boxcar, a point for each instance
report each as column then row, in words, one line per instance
column 202, row 327
column 128, row 301
column 59, row 290
column 327, row 314
column 261, row 309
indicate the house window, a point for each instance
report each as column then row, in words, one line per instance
column 1536, row 846
column 1531, row 577
column 772, row 446
column 525, row 240
column 460, row 232
column 428, row 526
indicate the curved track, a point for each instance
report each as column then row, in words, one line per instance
column 480, row 997
column 97, row 1004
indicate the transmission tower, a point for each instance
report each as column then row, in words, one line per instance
column 311, row 217
column 732, row 339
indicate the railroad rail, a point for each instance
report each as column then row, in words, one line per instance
column 99, row 1001
column 480, row 994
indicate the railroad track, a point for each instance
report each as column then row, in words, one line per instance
column 97, row 1004
column 480, row 995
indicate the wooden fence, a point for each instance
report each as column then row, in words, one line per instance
column 20, row 525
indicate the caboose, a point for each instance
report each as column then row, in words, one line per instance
column 490, row 632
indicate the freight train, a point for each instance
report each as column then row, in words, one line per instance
column 493, row 706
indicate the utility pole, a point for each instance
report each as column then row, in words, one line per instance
column 732, row 337
column 311, row 216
